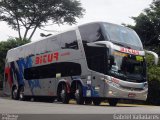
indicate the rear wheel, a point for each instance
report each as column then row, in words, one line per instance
column 79, row 95
column 15, row 93
column 96, row 102
column 21, row 94
column 62, row 94
column 51, row 100
column 59, row 99
column 113, row 102
column 88, row 101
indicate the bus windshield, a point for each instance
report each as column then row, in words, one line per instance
column 120, row 34
column 127, row 67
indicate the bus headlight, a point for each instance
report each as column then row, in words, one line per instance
column 110, row 92
column 145, row 86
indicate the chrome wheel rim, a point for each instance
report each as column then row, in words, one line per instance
column 15, row 93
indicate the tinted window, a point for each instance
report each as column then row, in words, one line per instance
column 69, row 40
column 50, row 71
column 91, row 33
column 122, row 34
column 97, row 59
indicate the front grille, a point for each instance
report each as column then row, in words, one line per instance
column 135, row 81
column 131, row 88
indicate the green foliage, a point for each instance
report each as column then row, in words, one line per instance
column 4, row 47
column 148, row 24
column 153, row 73
column 33, row 14
column 148, row 28
column 152, row 70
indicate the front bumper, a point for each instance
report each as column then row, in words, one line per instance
column 126, row 90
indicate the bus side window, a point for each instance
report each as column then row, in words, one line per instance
column 91, row 33
column 49, row 71
column 97, row 59
column 69, row 40
column 96, row 56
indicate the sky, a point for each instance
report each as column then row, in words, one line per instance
column 113, row 11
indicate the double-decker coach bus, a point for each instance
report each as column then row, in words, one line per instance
column 89, row 63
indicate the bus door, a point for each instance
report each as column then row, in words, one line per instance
column 97, row 62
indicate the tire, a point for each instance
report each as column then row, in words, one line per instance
column 96, row 102
column 62, row 94
column 113, row 102
column 59, row 99
column 44, row 99
column 88, row 101
column 14, row 93
column 79, row 95
column 51, row 100
column 21, row 94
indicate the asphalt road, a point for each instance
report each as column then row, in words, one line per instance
column 29, row 107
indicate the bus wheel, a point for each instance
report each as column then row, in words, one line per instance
column 64, row 96
column 113, row 102
column 96, row 102
column 88, row 101
column 21, row 93
column 79, row 95
column 59, row 99
column 15, row 93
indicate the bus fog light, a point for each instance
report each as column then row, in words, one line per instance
column 110, row 92
column 108, row 81
column 146, row 95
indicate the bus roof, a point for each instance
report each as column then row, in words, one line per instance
column 30, row 46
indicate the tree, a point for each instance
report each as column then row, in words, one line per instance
column 4, row 47
column 148, row 28
column 33, row 14
column 153, row 81
column 148, row 24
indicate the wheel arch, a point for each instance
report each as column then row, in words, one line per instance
column 63, row 81
column 14, row 86
column 73, row 84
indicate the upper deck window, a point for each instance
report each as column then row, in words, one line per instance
column 120, row 34
column 91, row 33
column 69, row 40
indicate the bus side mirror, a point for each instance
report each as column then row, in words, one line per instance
column 156, row 59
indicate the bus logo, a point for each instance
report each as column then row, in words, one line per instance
column 47, row 58
column 131, row 51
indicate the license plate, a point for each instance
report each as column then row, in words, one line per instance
column 131, row 95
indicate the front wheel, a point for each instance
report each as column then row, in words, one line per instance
column 113, row 102
column 21, row 94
